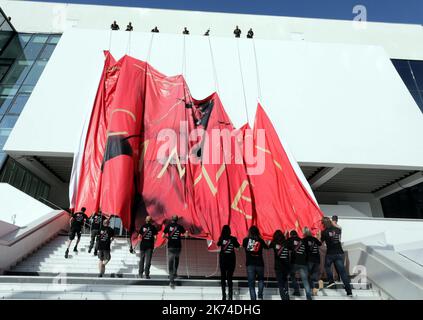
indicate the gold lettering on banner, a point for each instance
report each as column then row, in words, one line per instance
column 239, row 195
column 119, row 133
column 263, row 149
column 297, row 225
column 213, row 189
column 277, row 164
column 206, row 176
column 173, row 154
column 111, row 133
column 131, row 114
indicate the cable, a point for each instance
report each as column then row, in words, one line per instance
column 183, row 72
column 216, row 83
column 217, row 267
column 128, row 47
column 242, row 81
column 257, row 71
column 150, row 47
column 186, row 257
column 110, row 39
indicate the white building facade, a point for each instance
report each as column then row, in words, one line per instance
column 343, row 95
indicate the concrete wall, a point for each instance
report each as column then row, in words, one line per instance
column 18, row 208
column 399, row 40
column 30, row 238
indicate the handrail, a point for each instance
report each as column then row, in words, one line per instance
column 29, row 232
column 379, row 219
column 66, row 210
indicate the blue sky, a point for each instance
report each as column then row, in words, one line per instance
column 397, row 11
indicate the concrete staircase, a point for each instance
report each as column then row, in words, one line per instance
column 46, row 274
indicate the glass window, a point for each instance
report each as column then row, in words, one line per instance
column 45, row 192
column 17, row 179
column 26, row 89
column 7, row 90
column 24, row 39
column 7, row 171
column 4, row 134
column 8, row 121
column 35, row 73
column 48, row 50
column 34, row 186
column 417, row 67
column 4, row 39
column 26, row 184
column 18, row 72
column 4, row 103
column 3, row 70
column 39, row 38
column 19, row 103
column 54, row 39
column 14, row 49
column 2, row 19
column 32, row 49
column 3, row 158
column 6, row 26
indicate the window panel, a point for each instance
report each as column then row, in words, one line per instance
column 35, row 73
column 31, row 51
column 47, row 52
column 7, row 171
column 8, row 90
column 17, row 179
column 54, row 39
column 34, row 186
column 26, row 184
column 3, row 70
column 8, row 121
column 417, row 67
column 5, row 102
column 14, row 49
column 18, row 72
column 19, row 103
column 26, row 89
column 407, row 78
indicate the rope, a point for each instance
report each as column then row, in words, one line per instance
column 128, row 47
column 216, row 83
column 257, row 71
column 217, row 267
column 183, row 72
column 149, row 47
column 110, row 39
column 186, row 257
column 242, row 81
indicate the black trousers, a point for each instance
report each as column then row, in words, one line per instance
column 227, row 268
column 282, row 278
column 94, row 238
column 173, row 262
column 145, row 261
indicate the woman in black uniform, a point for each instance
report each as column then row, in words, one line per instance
column 281, row 251
column 227, row 259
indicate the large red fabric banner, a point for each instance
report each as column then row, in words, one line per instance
column 152, row 149
column 280, row 199
column 89, row 173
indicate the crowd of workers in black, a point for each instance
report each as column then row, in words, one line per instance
column 293, row 256
column 185, row 31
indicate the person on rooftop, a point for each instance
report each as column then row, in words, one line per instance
column 114, row 26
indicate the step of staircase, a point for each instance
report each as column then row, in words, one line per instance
column 46, row 274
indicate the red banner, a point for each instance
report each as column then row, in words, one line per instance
column 151, row 149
